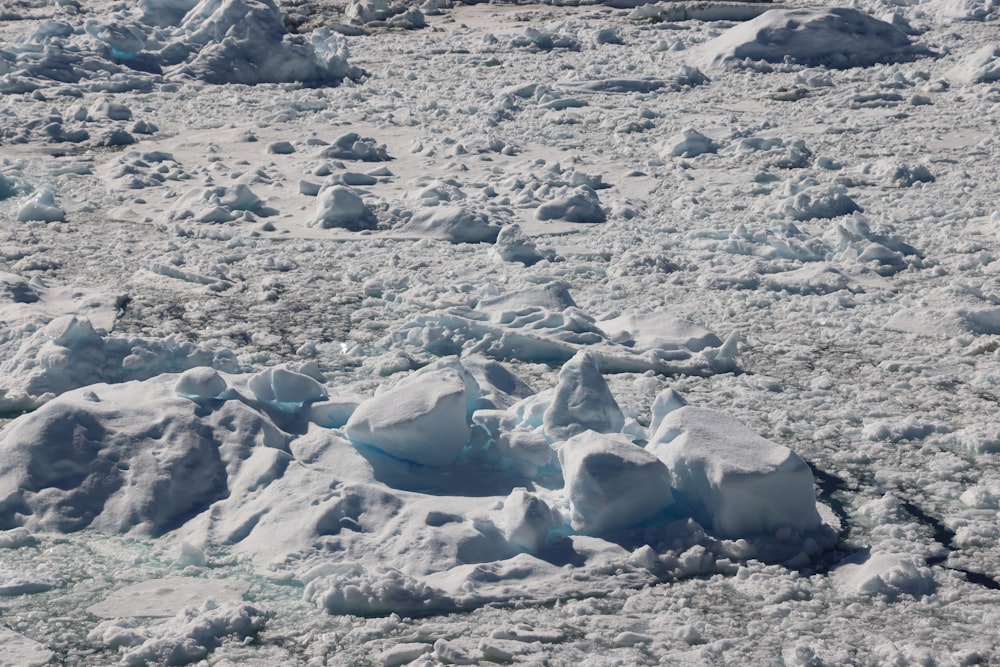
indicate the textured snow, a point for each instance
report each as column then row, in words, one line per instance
column 314, row 350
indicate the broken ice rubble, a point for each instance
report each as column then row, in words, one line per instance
column 460, row 498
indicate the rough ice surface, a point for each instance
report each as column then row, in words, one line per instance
column 739, row 483
column 186, row 483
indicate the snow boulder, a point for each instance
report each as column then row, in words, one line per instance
column 340, row 207
column 835, row 37
column 737, row 483
column 452, row 223
column 424, row 419
column 582, row 401
column 612, row 483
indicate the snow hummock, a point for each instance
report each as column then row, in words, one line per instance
column 836, row 37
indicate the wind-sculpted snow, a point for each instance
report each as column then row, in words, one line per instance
column 418, row 477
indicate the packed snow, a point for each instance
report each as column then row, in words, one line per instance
column 432, row 333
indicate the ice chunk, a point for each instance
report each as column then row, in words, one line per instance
column 23, row 652
column 423, row 419
column 812, row 202
column 885, row 575
column 333, row 413
column 737, row 483
column 666, row 402
column 836, row 37
column 401, row 654
column 164, row 598
column 357, row 590
column 200, row 382
column 526, row 520
column 339, row 206
column 352, row 146
column 580, row 205
column 981, row 66
column 41, row 206
column 582, row 401
column 452, row 223
column 689, row 143
column 187, row 637
column 659, row 330
column 282, row 386
column 513, row 245
column 612, row 483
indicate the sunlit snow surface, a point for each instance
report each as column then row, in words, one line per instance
column 531, row 336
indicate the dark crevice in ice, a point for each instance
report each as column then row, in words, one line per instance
column 830, row 485
column 943, row 536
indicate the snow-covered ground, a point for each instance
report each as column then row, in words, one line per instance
column 498, row 333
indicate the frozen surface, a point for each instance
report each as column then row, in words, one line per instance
column 522, row 334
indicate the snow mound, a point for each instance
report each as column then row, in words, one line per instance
column 689, row 143
column 886, row 575
column 836, row 37
column 515, row 326
column 175, row 462
column 578, row 205
column 809, row 201
column 962, row 10
column 954, row 310
column 737, row 482
column 68, row 353
column 456, row 224
column 612, row 483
